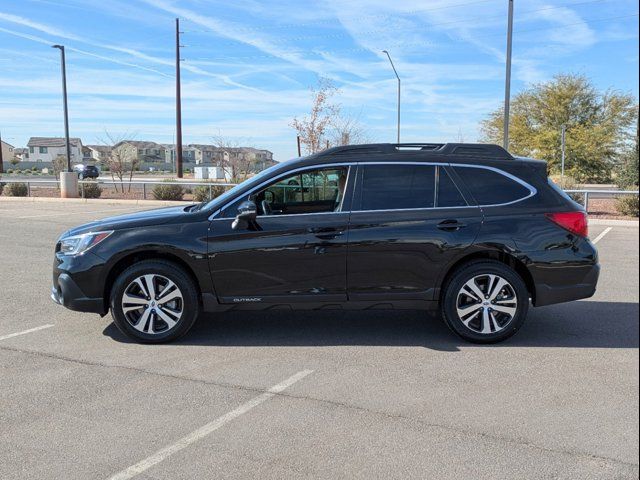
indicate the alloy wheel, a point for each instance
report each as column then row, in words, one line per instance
column 486, row 304
column 152, row 304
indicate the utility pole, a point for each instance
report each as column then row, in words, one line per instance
column 507, row 85
column 299, row 149
column 564, row 132
column 398, row 77
column 178, row 105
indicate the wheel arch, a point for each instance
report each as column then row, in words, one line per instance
column 503, row 257
column 123, row 263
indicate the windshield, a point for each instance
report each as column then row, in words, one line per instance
column 222, row 199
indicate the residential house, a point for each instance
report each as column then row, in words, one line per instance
column 46, row 149
column 148, row 152
column 256, row 159
column 21, row 153
column 203, row 154
column 8, row 152
column 98, row 153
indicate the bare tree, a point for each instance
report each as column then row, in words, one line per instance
column 233, row 159
column 347, row 130
column 122, row 160
column 312, row 128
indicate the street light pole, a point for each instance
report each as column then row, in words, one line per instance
column 64, row 99
column 1, row 159
column 507, row 84
column 178, row 105
column 398, row 77
column 68, row 179
column 564, row 133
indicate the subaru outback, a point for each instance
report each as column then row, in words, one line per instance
column 468, row 229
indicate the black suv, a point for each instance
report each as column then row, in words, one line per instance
column 86, row 171
column 467, row 228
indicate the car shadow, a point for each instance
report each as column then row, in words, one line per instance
column 584, row 324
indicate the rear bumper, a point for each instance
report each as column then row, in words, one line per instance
column 550, row 294
column 67, row 293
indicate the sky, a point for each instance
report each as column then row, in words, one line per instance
column 248, row 65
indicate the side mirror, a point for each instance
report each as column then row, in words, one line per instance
column 247, row 213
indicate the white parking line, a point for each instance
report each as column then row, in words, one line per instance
column 601, row 236
column 24, row 332
column 207, row 429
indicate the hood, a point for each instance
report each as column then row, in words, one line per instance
column 144, row 218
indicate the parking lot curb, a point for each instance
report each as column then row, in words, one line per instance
column 102, row 201
column 614, row 223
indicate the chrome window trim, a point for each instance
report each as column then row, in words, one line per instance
column 532, row 190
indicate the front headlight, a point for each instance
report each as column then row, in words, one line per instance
column 78, row 244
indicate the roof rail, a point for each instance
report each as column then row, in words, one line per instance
column 469, row 149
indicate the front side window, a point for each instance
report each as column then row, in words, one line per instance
column 309, row 191
column 315, row 191
column 392, row 187
column 490, row 187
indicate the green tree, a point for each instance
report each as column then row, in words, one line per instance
column 598, row 126
column 627, row 170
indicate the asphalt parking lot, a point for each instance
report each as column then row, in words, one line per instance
column 311, row 394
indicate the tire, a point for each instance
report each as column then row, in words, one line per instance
column 496, row 315
column 168, row 315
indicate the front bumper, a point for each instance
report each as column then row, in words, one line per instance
column 67, row 293
column 78, row 283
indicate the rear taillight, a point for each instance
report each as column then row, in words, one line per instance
column 575, row 222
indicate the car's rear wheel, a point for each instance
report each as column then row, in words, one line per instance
column 485, row 302
column 154, row 301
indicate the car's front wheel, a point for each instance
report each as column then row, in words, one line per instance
column 485, row 302
column 154, row 301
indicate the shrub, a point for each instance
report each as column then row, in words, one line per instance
column 628, row 205
column 168, row 192
column 10, row 171
column 1, row 187
column 91, row 190
column 201, row 192
column 17, row 190
column 34, row 169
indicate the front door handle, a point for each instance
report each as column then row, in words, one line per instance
column 451, row 225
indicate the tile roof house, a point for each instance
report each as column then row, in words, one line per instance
column 98, row 152
column 46, row 149
column 143, row 151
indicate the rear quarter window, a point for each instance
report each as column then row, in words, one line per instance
column 490, row 187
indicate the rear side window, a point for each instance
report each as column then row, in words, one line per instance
column 448, row 193
column 387, row 187
column 490, row 187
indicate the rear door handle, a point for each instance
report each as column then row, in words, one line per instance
column 451, row 225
